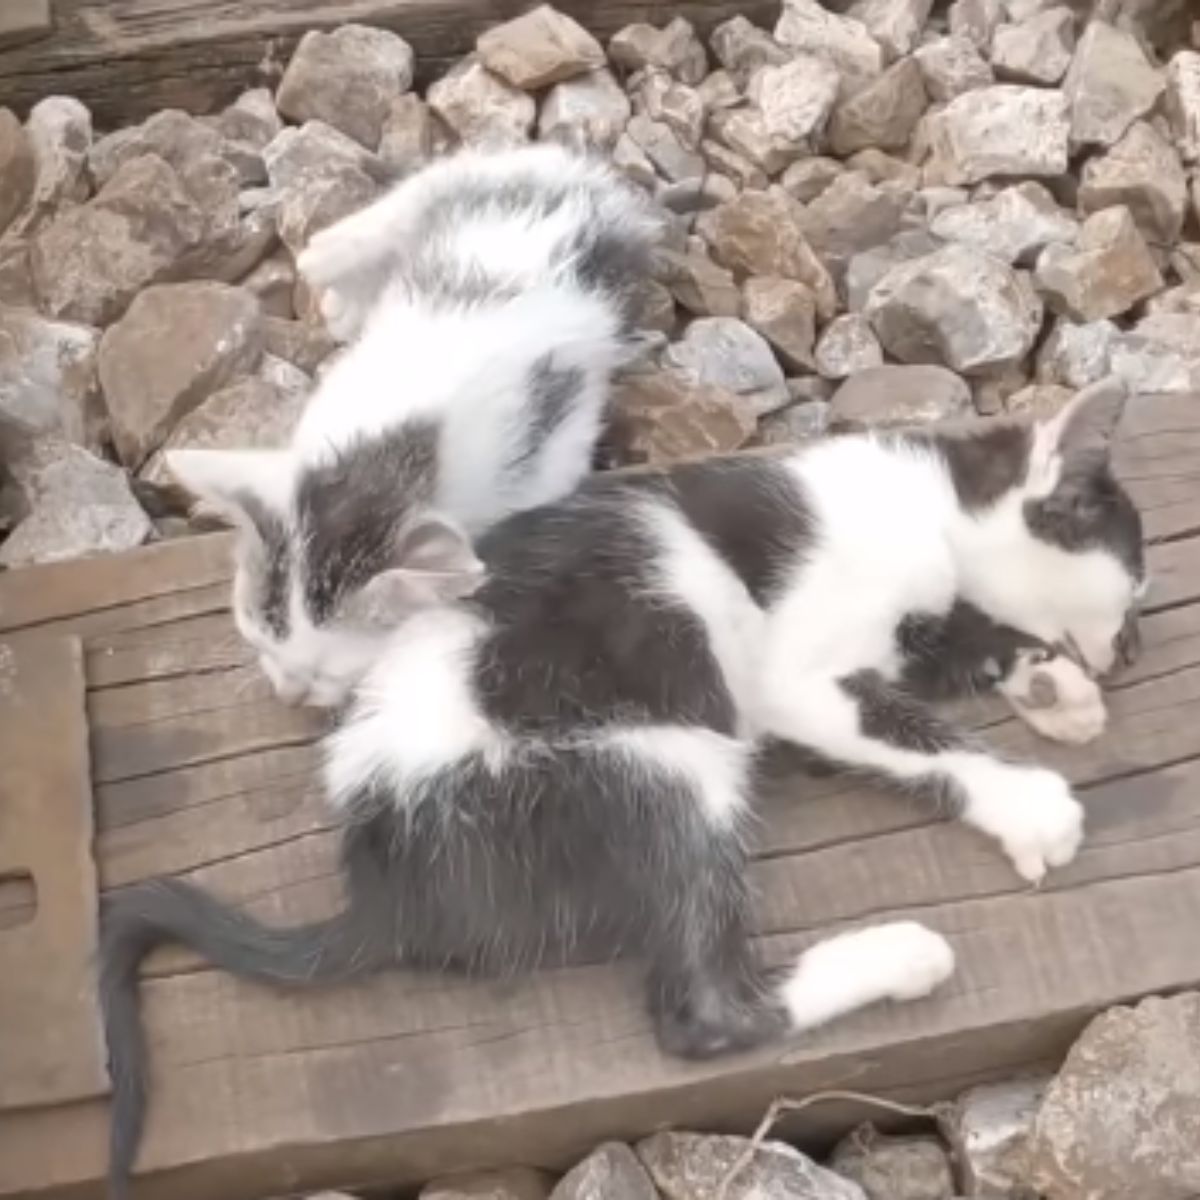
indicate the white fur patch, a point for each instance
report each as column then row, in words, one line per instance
column 1076, row 713
column 899, row 961
column 716, row 768
column 415, row 713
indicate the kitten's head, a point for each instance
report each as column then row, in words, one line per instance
column 329, row 562
column 1058, row 549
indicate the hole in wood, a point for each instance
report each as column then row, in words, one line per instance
column 18, row 899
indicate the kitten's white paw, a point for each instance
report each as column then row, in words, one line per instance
column 1031, row 812
column 911, row 960
column 1056, row 699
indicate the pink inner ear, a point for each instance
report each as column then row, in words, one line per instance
column 435, row 546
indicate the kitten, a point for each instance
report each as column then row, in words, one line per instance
column 502, row 295
column 562, row 765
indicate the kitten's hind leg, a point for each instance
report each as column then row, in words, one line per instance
column 709, row 995
column 863, row 722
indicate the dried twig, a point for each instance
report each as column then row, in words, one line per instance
column 785, row 1104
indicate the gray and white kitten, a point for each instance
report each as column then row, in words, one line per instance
column 490, row 295
column 562, row 765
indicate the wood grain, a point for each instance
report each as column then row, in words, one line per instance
column 127, row 58
column 197, row 772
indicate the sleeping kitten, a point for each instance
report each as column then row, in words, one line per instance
column 502, row 295
column 562, row 765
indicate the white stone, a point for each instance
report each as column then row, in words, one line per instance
column 480, row 107
column 1037, row 50
column 895, row 24
column 989, row 1134
column 951, row 66
column 1109, row 85
column 847, row 345
column 804, row 25
column 1183, row 102
column 795, row 99
column 1075, row 355
column 1000, row 130
column 726, row 353
column 1014, row 225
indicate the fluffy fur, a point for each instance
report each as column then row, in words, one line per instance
column 562, row 765
column 491, row 296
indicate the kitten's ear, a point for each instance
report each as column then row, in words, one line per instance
column 237, row 484
column 1082, row 432
column 435, row 564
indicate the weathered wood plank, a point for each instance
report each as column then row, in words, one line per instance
column 127, row 58
column 408, row 1076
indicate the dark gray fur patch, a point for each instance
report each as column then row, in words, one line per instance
column 752, row 512
column 951, row 654
column 1090, row 510
column 984, row 464
column 614, row 262
column 887, row 714
column 585, row 645
column 270, row 563
column 553, row 392
column 351, row 510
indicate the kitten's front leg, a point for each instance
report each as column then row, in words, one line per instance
column 865, row 723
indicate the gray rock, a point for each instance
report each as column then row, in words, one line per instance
column 992, row 389
column 795, row 98
column 480, row 107
column 801, row 422
column 662, row 146
column 1143, row 172
column 852, row 215
column 674, row 48
column 1037, row 50
column 742, row 49
column 807, row 179
column 259, row 412
column 324, row 201
column 762, row 233
column 688, row 1166
column 18, row 171
column 744, row 131
column 847, row 345
column 895, row 24
column 16, row 282
column 665, row 416
column 611, row 1172
column 410, row 136
column 726, row 353
column 951, row 66
column 630, row 159
column 273, row 282
column 882, row 113
column 89, row 262
column 976, row 20
column 48, row 378
column 252, row 120
column 958, row 308
column 1184, row 298
column 909, row 395
column 804, row 25
column 663, row 98
column 1040, row 401
column 989, row 1132
column 998, row 130
column 297, row 156
column 1109, row 85
column 740, row 171
column 60, row 135
column 590, row 110
column 1075, row 355
column 1161, row 353
column 720, row 90
column 78, row 505
column 1120, row 1118
column 879, row 168
column 784, row 312
column 894, row 1168
column 1183, row 102
column 865, row 270
column 347, row 78
column 509, row 1183
column 177, row 344
column 1104, row 274
column 304, row 344
column 1015, row 224
column 176, row 137
column 698, row 283
column 538, row 48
